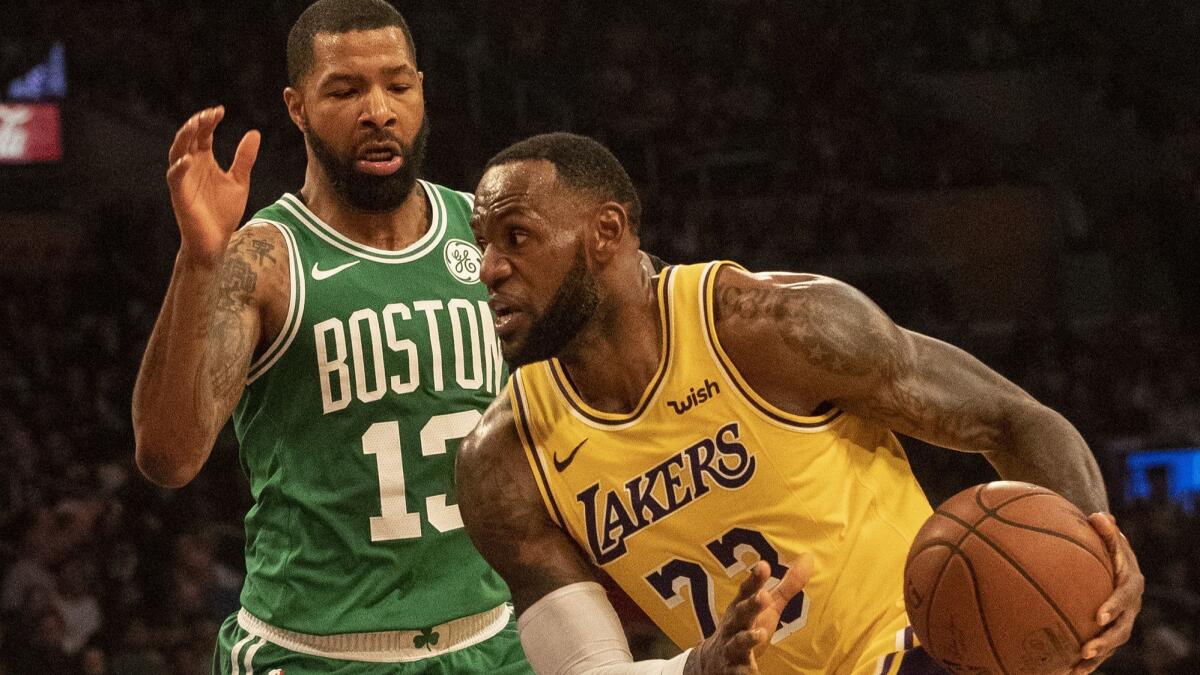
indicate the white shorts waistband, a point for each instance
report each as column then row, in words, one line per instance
column 389, row 646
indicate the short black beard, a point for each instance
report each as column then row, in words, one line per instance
column 365, row 192
column 573, row 305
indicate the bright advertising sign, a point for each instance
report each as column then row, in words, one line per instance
column 30, row 133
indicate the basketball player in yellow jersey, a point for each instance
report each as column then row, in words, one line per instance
column 712, row 439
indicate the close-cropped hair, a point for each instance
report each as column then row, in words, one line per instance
column 581, row 163
column 337, row 16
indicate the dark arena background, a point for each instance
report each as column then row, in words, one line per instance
column 1018, row 177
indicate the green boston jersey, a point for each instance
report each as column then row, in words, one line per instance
column 350, row 423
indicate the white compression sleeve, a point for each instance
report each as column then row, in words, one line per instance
column 574, row 631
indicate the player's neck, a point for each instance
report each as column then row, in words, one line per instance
column 388, row 230
column 615, row 357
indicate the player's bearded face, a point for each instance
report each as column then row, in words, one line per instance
column 573, row 305
column 369, row 192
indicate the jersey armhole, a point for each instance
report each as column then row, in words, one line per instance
column 536, row 466
column 291, row 324
column 806, row 423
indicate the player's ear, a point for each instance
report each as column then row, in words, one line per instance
column 294, row 101
column 612, row 230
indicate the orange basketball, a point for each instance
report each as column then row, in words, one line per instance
column 1006, row 577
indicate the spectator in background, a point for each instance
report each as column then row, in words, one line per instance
column 75, row 603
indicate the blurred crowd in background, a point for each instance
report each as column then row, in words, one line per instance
column 768, row 132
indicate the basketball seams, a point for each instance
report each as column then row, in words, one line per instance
column 987, row 631
column 1012, row 523
column 1020, row 570
column 995, row 513
column 956, row 551
column 936, row 582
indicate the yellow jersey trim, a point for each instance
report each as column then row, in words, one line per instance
column 708, row 281
column 566, row 388
column 536, row 466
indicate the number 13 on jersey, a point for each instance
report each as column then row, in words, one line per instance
column 382, row 439
column 735, row 552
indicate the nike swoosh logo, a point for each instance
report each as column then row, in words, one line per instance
column 320, row 274
column 562, row 465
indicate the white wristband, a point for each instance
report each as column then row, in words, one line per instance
column 573, row 630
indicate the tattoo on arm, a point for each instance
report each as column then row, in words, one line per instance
column 229, row 343
column 804, row 326
column 848, row 352
column 865, row 363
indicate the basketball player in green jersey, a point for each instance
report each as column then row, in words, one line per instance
column 346, row 330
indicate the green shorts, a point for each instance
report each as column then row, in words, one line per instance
column 240, row 652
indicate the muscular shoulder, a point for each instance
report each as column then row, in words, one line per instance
column 766, row 296
column 824, row 329
column 255, row 271
column 497, row 426
column 261, row 248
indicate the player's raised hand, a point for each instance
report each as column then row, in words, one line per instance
column 1118, row 612
column 208, row 200
column 748, row 624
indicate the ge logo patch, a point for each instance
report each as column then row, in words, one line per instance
column 463, row 259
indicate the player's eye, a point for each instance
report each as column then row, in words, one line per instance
column 400, row 88
column 342, row 93
column 517, row 237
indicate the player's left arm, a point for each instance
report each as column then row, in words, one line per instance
column 840, row 348
column 566, row 623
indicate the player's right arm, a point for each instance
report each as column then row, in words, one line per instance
column 566, row 623
column 196, row 360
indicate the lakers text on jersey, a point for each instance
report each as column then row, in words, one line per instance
column 676, row 499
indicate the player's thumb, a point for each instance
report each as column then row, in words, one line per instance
column 247, row 152
column 798, row 574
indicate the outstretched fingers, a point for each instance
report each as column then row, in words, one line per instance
column 798, row 574
column 184, row 139
column 209, row 119
column 749, row 600
column 243, row 160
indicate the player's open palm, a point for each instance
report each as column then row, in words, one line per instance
column 748, row 624
column 208, row 200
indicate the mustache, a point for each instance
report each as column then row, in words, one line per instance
column 381, row 137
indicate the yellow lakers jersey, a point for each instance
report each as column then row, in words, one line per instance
column 676, row 499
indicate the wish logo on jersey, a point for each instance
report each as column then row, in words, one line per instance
column 463, row 259
column 655, row 494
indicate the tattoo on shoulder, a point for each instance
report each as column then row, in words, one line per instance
column 822, row 335
column 261, row 250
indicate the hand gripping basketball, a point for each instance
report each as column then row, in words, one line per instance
column 208, row 201
column 1117, row 613
column 747, row 626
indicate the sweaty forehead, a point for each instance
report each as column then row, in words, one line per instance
column 527, row 183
